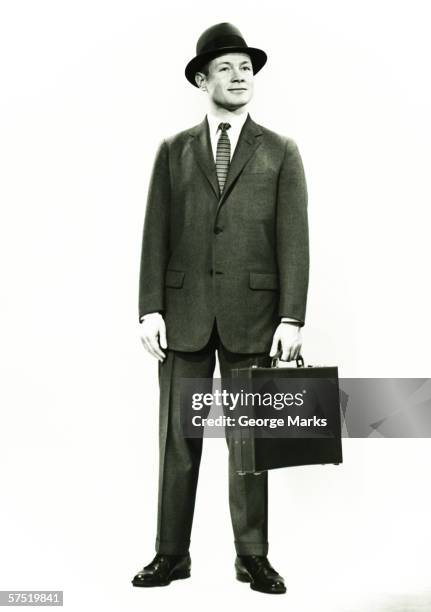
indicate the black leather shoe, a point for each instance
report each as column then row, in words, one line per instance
column 162, row 570
column 258, row 571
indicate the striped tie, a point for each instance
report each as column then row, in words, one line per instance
column 223, row 155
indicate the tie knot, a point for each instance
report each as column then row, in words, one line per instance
column 224, row 126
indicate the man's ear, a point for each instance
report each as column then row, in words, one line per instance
column 201, row 81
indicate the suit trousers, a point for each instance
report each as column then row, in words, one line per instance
column 180, row 457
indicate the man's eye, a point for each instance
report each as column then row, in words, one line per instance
column 247, row 67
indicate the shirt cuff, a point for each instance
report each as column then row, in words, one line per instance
column 291, row 320
column 142, row 317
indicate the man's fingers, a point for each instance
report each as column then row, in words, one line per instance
column 154, row 343
column 297, row 351
column 285, row 355
column 274, row 347
column 285, row 349
column 149, row 347
column 162, row 336
column 290, row 344
column 153, row 336
column 152, row 346
column 291, row 351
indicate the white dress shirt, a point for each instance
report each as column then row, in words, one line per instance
column 236, row 123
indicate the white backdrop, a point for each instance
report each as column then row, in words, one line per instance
column 88, row 91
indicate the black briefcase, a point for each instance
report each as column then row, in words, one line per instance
column 257, row 448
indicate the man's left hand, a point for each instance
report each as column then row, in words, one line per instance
column 287, row 340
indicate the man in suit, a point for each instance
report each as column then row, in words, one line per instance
column 224, row 268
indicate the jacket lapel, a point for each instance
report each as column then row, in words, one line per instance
column 247, row 144
column 203, row 154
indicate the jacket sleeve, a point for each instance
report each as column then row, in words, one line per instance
column 292, row 235
column 155, row 238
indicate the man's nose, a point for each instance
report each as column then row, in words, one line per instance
column 237, row 76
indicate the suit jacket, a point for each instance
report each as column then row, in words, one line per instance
column 242, row 257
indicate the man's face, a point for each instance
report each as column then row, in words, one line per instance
column 230, row 80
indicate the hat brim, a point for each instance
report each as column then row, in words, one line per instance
column 257, row 56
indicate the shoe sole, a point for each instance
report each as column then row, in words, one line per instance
column 241, row 577
column 181, row 575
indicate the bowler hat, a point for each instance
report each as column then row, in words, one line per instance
column 218, row 40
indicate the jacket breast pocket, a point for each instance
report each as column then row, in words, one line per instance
column 260, row 171
column 253, row 172
column 263, row 280
column 174, row 278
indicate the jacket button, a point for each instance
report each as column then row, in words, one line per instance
column 217, row 230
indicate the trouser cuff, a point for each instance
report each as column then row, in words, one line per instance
column 172, row 548
column 251, row 548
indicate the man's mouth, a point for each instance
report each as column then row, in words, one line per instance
column 239, row 89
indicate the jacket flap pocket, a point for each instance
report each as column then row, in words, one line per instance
column 174, row 278
column 263, row 280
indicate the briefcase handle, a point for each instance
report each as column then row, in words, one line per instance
column 299, row 361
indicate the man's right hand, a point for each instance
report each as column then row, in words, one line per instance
column 152, row 331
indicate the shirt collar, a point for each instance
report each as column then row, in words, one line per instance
column 236, row 121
